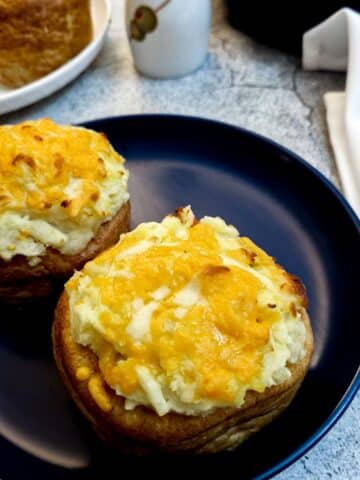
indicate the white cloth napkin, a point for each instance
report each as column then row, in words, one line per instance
column 335, row 45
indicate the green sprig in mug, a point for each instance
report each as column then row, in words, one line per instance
column 168, row 38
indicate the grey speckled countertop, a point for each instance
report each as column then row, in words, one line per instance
column 244, row 84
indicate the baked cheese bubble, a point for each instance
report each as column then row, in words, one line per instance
column 187, row 316
column 58, row 184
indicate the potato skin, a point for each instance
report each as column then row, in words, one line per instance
column 142, row 431
column 19, row 281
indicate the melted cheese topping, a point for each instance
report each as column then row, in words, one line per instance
column 83, row 373
column 98, row 393
column 58, row 184
column 187, row 316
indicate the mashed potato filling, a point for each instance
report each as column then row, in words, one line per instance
column 187, row 316
column 58, row 184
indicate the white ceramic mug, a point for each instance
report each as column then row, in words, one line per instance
column 168, row 38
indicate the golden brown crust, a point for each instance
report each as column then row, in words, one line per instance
column 142, row 430
column 18, row 280
column 38, row 36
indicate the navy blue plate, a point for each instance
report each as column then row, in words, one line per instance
column 270, row 195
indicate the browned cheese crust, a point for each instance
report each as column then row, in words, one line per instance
column 38, row 36
column 142, row 431
column 18, row 280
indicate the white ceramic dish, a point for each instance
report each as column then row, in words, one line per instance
column 13, row 99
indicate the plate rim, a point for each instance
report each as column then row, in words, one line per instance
column 263, row 138
column 354, row 386
column 52, row 82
